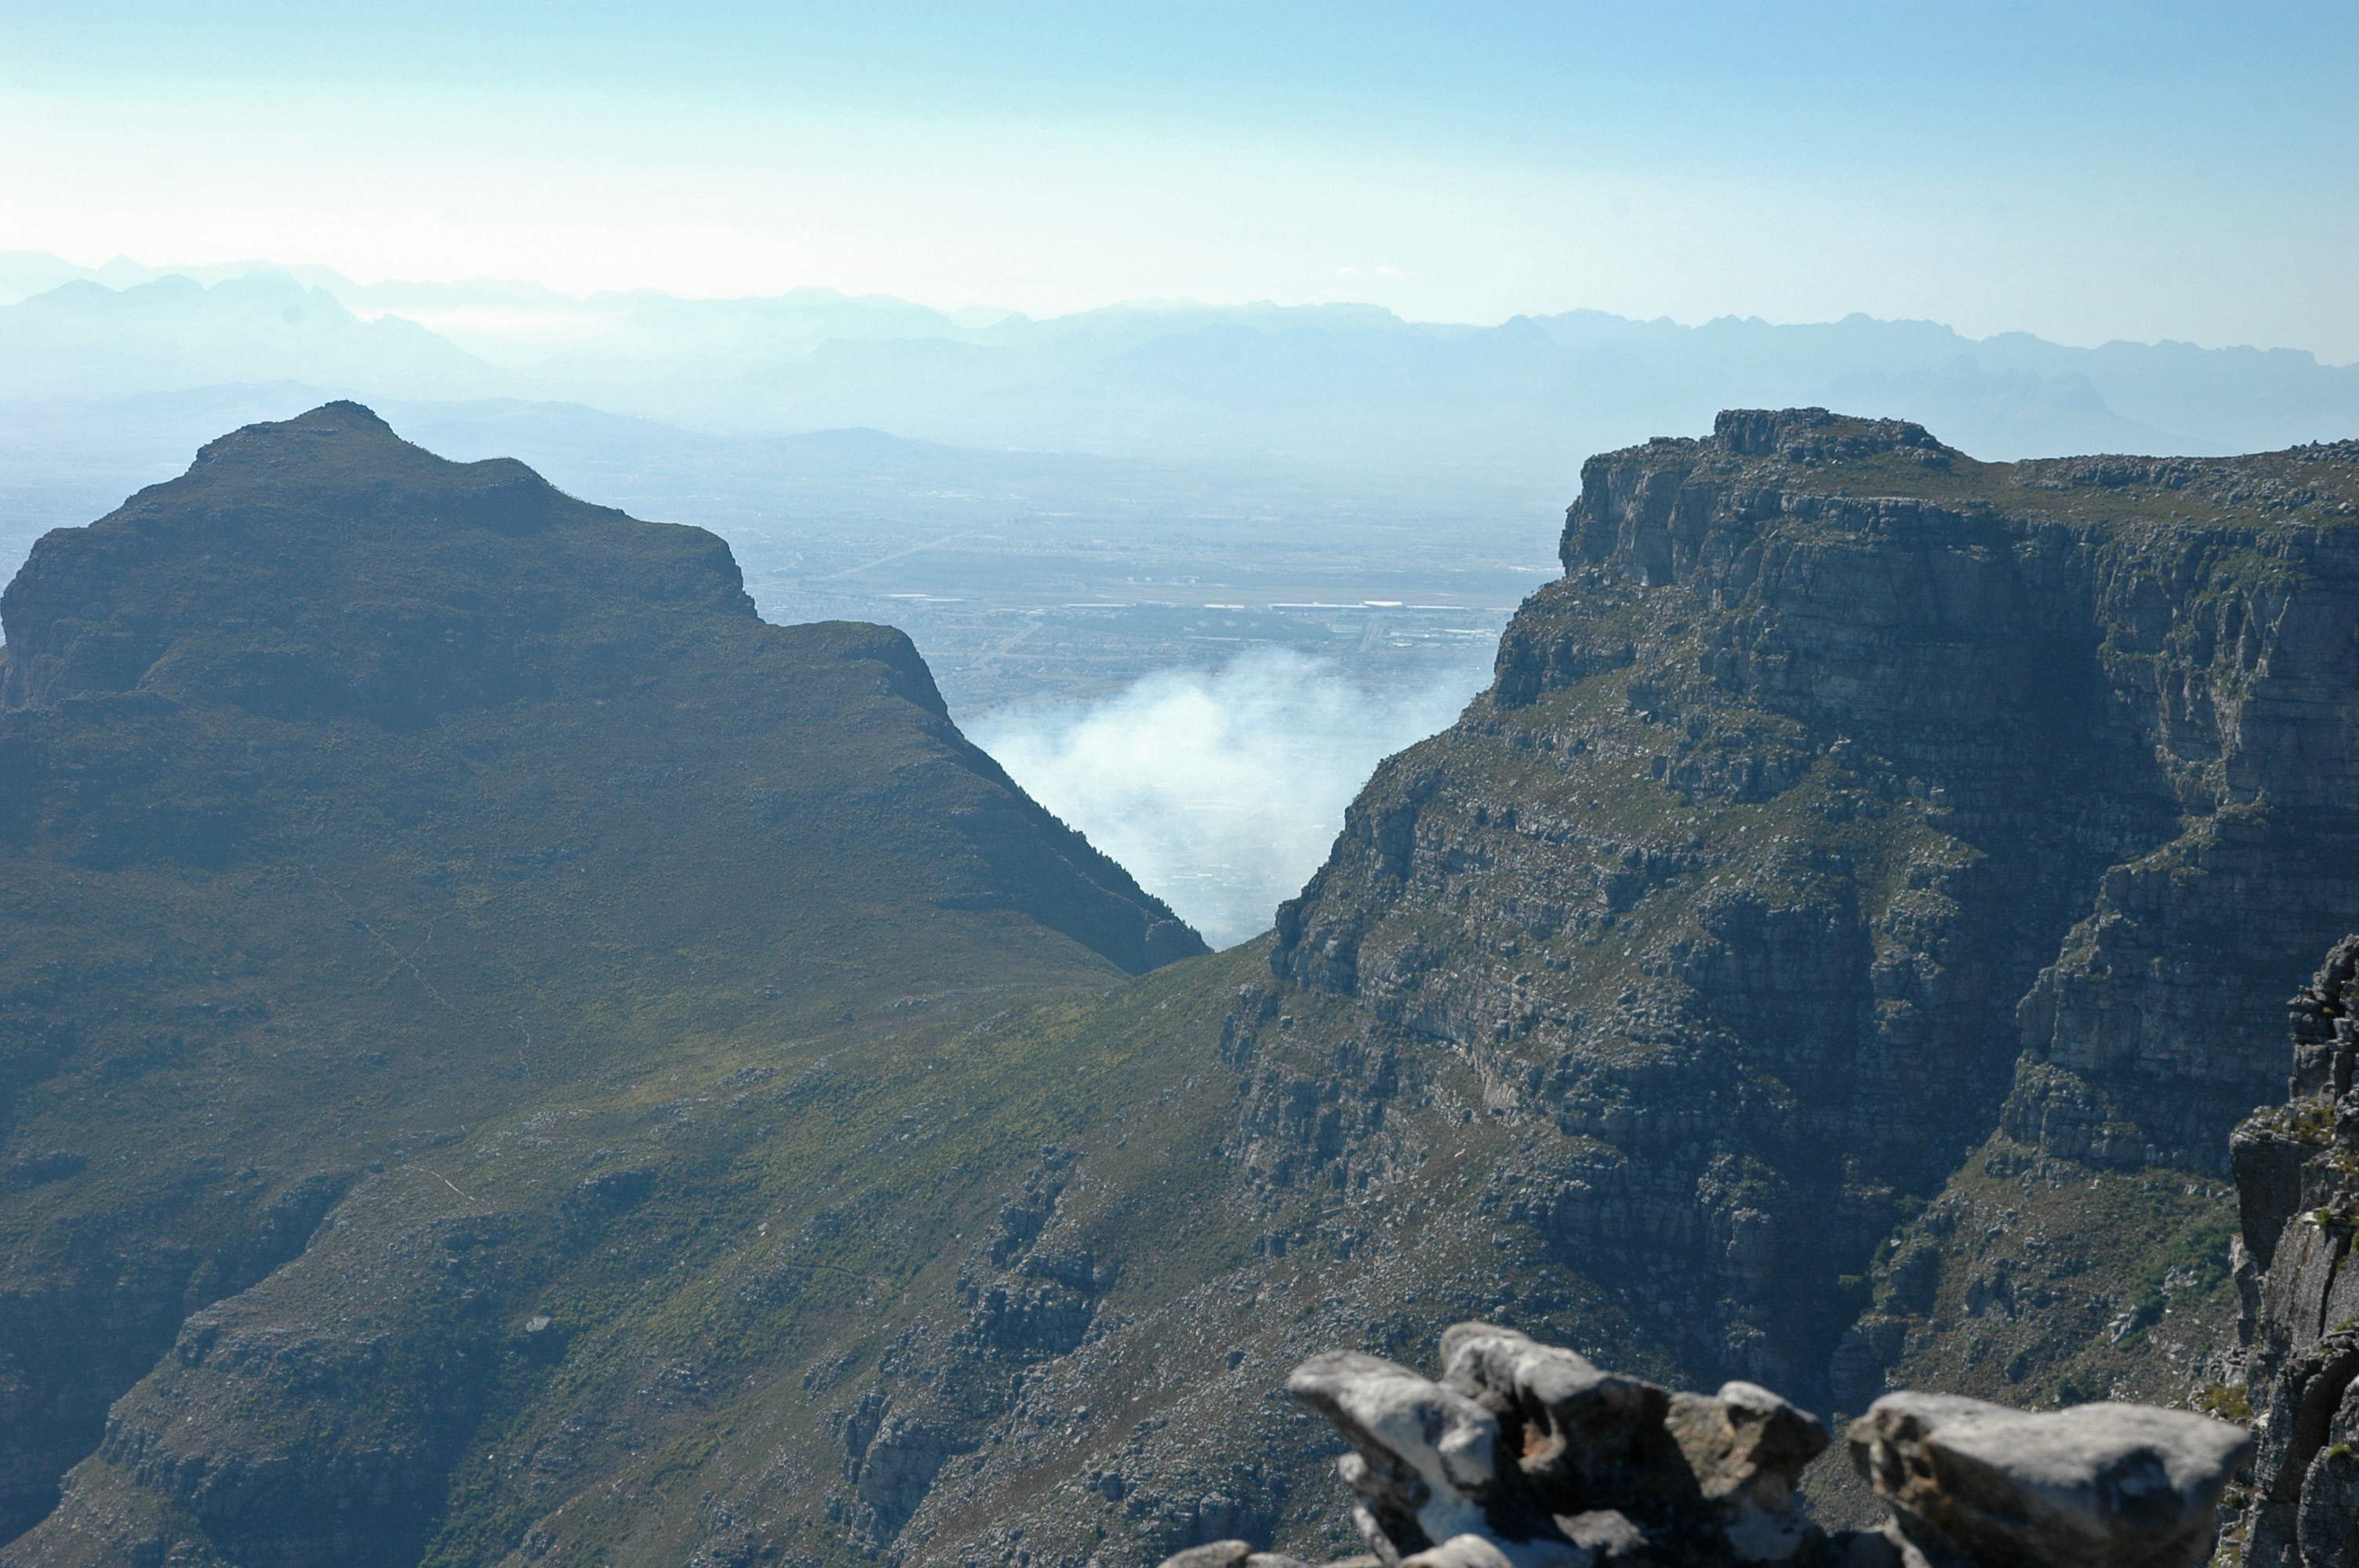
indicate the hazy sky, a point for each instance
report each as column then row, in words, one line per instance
column 2085, row 172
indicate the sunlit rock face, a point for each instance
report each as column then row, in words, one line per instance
column 1528, row 1456
column 1851, row 804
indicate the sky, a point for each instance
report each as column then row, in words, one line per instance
column 2085, row 172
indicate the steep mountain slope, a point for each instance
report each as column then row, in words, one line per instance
column 1834, row 953
column 1850, row 804
column 408, row 842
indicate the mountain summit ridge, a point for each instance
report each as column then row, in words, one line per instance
column 323, row 568
column 331, row 532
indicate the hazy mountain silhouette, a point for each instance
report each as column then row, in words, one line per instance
column 1334, row 387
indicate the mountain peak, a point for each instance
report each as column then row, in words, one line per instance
column 331, row 435
column 323, row 565
column 336, row 418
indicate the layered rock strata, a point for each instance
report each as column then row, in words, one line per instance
column 1526, row 1456
column 2297, row 1189
column 1831, row 958
column 1849, row 804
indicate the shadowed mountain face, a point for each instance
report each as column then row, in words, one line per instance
column 321, row 572
column 352, row 802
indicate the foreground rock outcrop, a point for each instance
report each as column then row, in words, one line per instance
column 2297, row 1186
column 1528, row 1456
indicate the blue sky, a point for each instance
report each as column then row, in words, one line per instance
column 2082, row 171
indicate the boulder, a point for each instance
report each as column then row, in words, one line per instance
column 2099, row 1485
column 1530, row 1456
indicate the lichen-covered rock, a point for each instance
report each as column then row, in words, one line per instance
column 1582, row 1436
column 1747, row 1448
column 1241, row 1554
column 1529, row 1456
column 1422, row 1460
column 2102, row 1486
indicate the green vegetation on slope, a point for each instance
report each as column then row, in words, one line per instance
column 1823, row 958
column 358, row 805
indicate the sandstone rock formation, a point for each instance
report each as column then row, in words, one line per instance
column 2102, row 1486
column 1847, row 793
column 1526, row 1456
column 1831, row 958
column 2298, row 1186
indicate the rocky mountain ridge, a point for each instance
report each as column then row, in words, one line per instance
column 1339, row 387
column 1830, row 957
column 1807, row 814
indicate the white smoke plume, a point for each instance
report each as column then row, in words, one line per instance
column 1219, row 791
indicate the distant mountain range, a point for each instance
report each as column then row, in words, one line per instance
column 1316, row 388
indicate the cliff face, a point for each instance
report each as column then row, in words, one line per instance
column 2298, row 1192
column 1850, row 804
column 1832, row 955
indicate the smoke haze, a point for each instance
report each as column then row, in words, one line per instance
column 1221, row 790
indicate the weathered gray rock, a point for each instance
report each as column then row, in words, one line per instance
column 2104, row 1486
column 1747, row 1448
column 1423, row 1455
column 2297, row 1191
column 1529, row 1456
column 1212, row 1554
column 1584, row 1437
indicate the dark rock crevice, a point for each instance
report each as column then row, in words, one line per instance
column 2298, row 1188
column 107, row 1318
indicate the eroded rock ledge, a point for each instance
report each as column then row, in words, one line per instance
column 1528, row 1456
column 2298, row 1190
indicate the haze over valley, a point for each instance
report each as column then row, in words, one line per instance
column 876, row 785
column 1074, row 518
